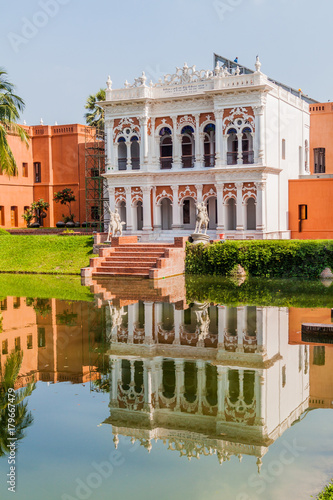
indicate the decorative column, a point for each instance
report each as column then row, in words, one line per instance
column 260, row 395
column 259, row 146
column 218, row 136
column 240, row 149
column 261, row 206
column 197, row 143
column 178, row 321
column 129, row 156
column 110, row 165
column 112, row 202
column 220, row 223
column 221, row 310
column 144, row 142
column 176, row 144
column 241, row 325
column 259, row 328
column 114, row 382
column 201, row 384
column 176, row 223
column 146, row 208
column 221, row 389
column 179, row 382
column 147, row 385
column 152, row 141
column 239, row 207
column 129, row 209
column 198, row 187
column 131, row 321
column 148, row 322
column 224, row 155
column 157, row 220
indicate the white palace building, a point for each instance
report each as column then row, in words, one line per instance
column 229, row 137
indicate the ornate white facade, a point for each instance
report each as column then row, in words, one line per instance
column 229, row 139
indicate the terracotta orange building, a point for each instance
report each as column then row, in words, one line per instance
column 54, row 160
column 310, row 198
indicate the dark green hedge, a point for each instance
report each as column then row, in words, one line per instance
column 268, row 258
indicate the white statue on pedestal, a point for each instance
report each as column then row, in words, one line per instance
column 115, row 225
column 202, row 219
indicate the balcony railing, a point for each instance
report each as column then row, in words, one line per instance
column 232, row 158
column 188, row 161
column 135, row 163
column 209, row 160
column 248, row 157
column 166, row 162
column 122, row 162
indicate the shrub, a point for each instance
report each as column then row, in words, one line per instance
column 269, row 258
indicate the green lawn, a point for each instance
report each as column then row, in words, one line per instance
column 45, row 253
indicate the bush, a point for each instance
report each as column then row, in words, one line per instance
column 327, row 493
column 280, row 259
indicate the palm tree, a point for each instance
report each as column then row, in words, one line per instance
column 23, row 418
column 95, row 115
column 10, row 107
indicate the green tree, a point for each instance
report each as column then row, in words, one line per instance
column 23, row 418
column 37, row 211
column 95, row 115
column 65, row 197
column 10, row 107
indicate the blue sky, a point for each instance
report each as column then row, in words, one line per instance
column 57, row 52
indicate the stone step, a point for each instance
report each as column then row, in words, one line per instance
column 123, row 269
column 139, row 250
column 135, row 255
column 126, row 258
column 137, row 274
column 121, row 263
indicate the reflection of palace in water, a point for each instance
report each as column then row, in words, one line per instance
column 205, row 379
column 56, row 337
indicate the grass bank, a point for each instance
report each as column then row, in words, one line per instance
column 44, row 287
column 44, row 253
column 268, row 258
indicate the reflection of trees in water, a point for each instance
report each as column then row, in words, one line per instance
column 41, row 306
column 23, row 418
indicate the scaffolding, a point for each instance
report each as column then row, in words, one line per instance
column 97, row 215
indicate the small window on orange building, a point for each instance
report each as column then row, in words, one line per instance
column 283, row 149
column 13, row 217
column 5, row 347
column 2, row 215
column 302, row 212
column 3, row 305
column 41, row 337
column 37, row 171
column 25, row 169
column 17, row 302
column 29, row 342
column 319, row 160
column 17, row 344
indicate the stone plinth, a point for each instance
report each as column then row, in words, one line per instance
column 200, row 238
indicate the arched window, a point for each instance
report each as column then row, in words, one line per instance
column 232, row 147
column 233, row 377
column 190, row 381
column 135, row 153
column 189, row 213
column 122, row 212
column 169, row 379
column 231, row 214
column 188, row 146
column 250, row 214
column 138, row 376
column 139, row 216
column 211, row 384
column 209, row 145
column 247, row 146
column 122, row 154
column 165, row 148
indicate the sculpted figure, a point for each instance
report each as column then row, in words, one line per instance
column 115, row 225
column 202, row 218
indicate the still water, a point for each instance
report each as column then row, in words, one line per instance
column 203, row 389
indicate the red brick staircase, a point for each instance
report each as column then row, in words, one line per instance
column 127, row 257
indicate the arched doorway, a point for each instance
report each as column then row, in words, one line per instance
column 166, row 214
column 232, row 147
column 231, row 214
column 122, row 153
column 135, row 153
column 139, row 216
column 189, row 213
column 209, row 145
column 250, row 214
column 247, row 146
column 212, row 212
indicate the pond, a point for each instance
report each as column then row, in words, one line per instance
column 197, row 388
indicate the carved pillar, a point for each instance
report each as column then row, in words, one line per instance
column 220, row 223
column 259, row 328
column 157, row 219
column 239, row 207
column 144, row 142
column 199, row 187
column 240, row 149
column 224, row 150
column 114, row 382
column 201, row 384
column 148, row 322
column 241, row 325
column 259, row 149
column 112, row 201
column 129, row 156
column 176, row 144
column 221, row 389
column 221, row 310
column 129, row 209
column 197, row 143
column 178, row 322
column 218, row 137
column 261, row 206
column 179, row 382
column 109, row 145
column 147, row 385
column 131, row 322
column 176, row 221
column 146, row 190
column 152, row 149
